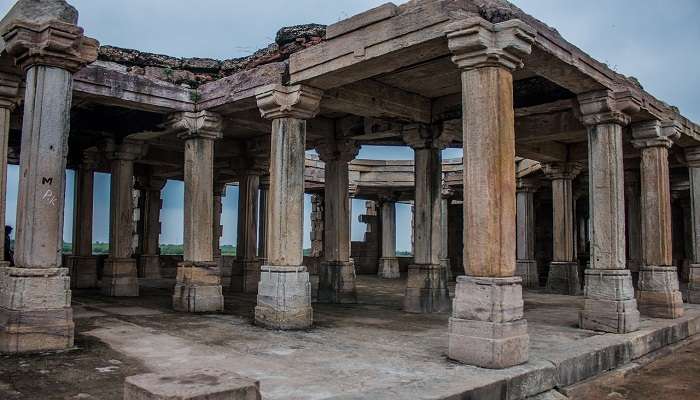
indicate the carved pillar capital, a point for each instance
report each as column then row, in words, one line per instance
column 149, row 183
column 89, row 160
column 9, row 90
column 53, row 43
column 298, row 101
column 421, row 136
column 527, row 185
column 654, row 134
column 475, row 43
column 127, row 150
column 342, row 150
column 562, row 170
column 606, row 106
column 195, row 125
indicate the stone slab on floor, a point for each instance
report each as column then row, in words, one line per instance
column 373, row 350
column 205, row 384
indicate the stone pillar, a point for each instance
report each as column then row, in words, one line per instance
column 35, row 296
column 246, row 255
column 563, row 277
column 487, row 328
column 633, row 222
column 9, row 97
column 337, row 271
column 447, row 193
column 82, row 264
column 263, row 217
column 198, row 287
column 526, row 265
column 658, row 295
column 388, row 263
column 426, row 287
column 120, row 277
column 284, row 293
column 692, row 156
column 150, row 205
column 217, row 228
column 316, row 234
column 609, row 304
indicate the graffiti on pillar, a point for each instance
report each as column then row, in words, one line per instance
column 45, row 181
column 50, row 197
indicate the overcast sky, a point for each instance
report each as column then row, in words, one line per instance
column 653, row 40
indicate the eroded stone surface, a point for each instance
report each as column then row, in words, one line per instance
column 199, row 384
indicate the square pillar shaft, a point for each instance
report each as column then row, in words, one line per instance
column 693, row 159
column 263, row 219
column 82, row 263
column 526, row 265
column 247, row 239
column 6, row 106
column 150, row 205
column 388, row 262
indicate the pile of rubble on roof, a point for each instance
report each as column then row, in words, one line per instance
column 196, row 71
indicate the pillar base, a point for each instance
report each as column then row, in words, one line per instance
column 563, row 278
column 487, row 328
column 83, row 272
column 447, row 268
column 35, row 310
column 120, row 278
column 609, row 305
column 198, row 288
column 251, row 275
column 527, row 270
column 336, row 282
column 389, row 268
column 426, row 289
column 284, row 298
column 659, row 295
column 694, row 284
column 149, row 266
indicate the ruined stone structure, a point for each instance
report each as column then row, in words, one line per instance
column 546, row 131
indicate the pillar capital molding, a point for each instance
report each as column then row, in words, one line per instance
column 195, row 125
column 10, row 85
column 422, row 136
column 343, row 150
column 150, row 183
column 387, row 197
column 527, row 185
column 298, row 101
column 562, row 170
column 654, row 134
column 606, row 106
column 475, row 43
column 53, row 43
column 128, row 151
column 89, row 160
column 692, row 156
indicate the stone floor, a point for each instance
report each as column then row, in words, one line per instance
column 367, row 351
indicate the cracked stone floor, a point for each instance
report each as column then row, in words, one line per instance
column 368, row 350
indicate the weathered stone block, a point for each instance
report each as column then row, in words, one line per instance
column 204, row 384
column 659, row 295
column 564, row 278
column 120, row 278
column 83, row 271
column 527, row 270
column 34, row 289
column 336, row 282
column 389, row 268
column 426, row 289
column 608, row 284
column 251, row 275
column 149, row 266
column 488, row 344
column 35, row 312
column 614, row 316
column 488, row 299
column 198, row 288
column 284, row 298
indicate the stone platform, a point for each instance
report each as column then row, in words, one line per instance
column 360, row 351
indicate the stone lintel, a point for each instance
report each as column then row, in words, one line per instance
column 342, row 150
column 52, row 43
column 475, row 43
column 298, row 101
column 606, row 106
column 654, row 134
column 422, row 136
column 562, row 170
column 195, row 125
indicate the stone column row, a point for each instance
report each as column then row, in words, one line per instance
column 82, row 264
column 388, row 262
column 150, row 205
